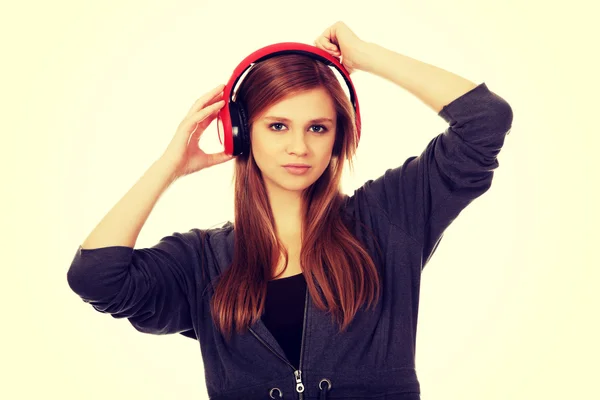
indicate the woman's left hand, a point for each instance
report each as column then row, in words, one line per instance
column 339, row 41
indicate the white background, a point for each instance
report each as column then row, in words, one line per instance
column 92, row 93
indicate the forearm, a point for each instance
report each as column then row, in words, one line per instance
column 432, row 85
column 123, row 223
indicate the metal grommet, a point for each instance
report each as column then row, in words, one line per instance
column 328, row 383
column 271, row 393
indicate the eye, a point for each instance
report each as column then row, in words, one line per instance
column 324, row 129
column 277, row 123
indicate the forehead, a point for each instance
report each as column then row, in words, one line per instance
column 311, row 103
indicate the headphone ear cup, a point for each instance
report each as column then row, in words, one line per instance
column 239, row 129
column 245, row 136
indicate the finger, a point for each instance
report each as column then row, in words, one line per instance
column 198, row 121
column 200, row 127
column 329, row 38
column 206, row 98
column 324, row 44
column 327, row 33
column 218, row 158
column 200, row 106
column 216, row 98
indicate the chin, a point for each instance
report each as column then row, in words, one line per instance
column 295, row 187
column 295, row 183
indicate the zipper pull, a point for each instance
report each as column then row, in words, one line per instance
column 299, row 384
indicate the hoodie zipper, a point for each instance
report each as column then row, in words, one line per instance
column 298, row 372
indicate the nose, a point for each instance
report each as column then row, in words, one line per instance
column 297, row 143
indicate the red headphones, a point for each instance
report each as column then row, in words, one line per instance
column 231, row 120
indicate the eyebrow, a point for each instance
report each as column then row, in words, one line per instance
column 323, row 119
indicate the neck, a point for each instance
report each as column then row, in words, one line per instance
column 287, row 212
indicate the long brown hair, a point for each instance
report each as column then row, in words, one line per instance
column 330, row 255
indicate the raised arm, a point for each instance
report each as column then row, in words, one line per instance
column 153, row 287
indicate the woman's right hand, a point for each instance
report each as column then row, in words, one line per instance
column 183, row 153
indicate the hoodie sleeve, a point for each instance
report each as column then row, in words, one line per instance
column 150, row 286
column 427, row 192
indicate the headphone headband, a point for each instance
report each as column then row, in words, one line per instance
column 235, row 131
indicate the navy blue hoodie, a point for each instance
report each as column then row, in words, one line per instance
column 162, row 289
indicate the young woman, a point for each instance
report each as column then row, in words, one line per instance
column 309, row 293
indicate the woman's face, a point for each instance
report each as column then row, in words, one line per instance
column 298, row 129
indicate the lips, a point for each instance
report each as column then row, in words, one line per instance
column 296, row 170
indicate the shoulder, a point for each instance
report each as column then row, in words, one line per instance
column 217, row 239
column 222, row 229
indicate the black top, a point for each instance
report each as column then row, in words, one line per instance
column 284, row 313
